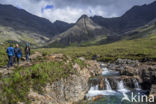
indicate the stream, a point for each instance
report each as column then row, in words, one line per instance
column 109, row 88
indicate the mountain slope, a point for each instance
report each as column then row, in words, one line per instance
column 85, row 30
column 142, row 49
column 99, row 30
column 135, row 17
column 19, row 19
column 19, row 25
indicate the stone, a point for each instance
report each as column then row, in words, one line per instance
column 69, row 90
column 56, row 57
column 153, row 91
column 97, row 98
column 82, row 58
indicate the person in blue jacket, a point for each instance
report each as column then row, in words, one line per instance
column 10, row 52
column 18, row 54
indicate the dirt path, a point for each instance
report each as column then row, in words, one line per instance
column 5, row 71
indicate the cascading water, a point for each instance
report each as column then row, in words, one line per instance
column 121, row 87
column 110, row 95
column 107, row 72
column 94, row 90
column 108, row 87
column 136, row 84
column 96, row 87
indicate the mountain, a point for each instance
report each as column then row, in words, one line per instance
column 137, row 16
column 17, row 23
column 21, row 26
column 100, row 30
column 85, row 31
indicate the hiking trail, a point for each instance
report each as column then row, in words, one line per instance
column 5, row 71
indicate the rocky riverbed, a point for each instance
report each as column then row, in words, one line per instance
column 127, row 74
column 69, row 90
column 145, row 72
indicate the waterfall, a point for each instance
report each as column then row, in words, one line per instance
column 93, row 88
column 108, row 86
column 121, row 87
column 96, row 87
column 136, row 84
column 105, row 71
column 108, row 72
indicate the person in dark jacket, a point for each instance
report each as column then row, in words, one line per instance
column 27, row 51
column 18, row 54
column 10, row 52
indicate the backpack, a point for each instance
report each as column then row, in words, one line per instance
column 18, row 52
column 19, row 55
column 10, row 51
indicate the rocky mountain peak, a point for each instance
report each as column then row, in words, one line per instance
column 83, row 18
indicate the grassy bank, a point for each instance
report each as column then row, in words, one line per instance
column 15, row 87
column 3, row 55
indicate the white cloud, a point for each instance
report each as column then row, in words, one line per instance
column 70, row 14
column 71, row 10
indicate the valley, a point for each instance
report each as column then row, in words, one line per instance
column 94, row 60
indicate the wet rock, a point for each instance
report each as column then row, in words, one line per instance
column 153, row 90
column 94, row 82
column 102, row 84
column 94, row 68
column 152, row 71
column 129, row 71
column 132, row 63
column 130, row 81
column 113, row 83
column 133, row 71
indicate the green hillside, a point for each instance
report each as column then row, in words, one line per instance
column 139, row 44
column 136, row 48
column 8, row 33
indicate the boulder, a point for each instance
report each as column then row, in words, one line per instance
column 69, row 90
column 153, row 91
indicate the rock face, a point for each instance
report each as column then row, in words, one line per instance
column 84, row 30
column 145, row 73
column 153, row 90
column 69, row 90
column 129, row 82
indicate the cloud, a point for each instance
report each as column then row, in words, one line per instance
column 71, row 10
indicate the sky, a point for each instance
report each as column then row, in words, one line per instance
column 70, row 10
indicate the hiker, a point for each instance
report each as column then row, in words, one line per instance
column 10, row 52
column 18, row 54
column 27, row 51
